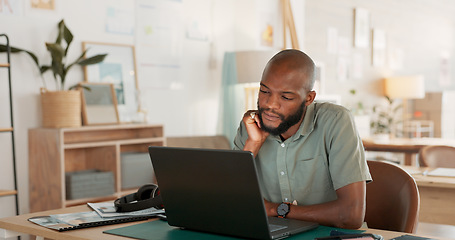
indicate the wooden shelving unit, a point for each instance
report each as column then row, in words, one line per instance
column 9, row 129
column 56, row 151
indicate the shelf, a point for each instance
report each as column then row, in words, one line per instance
column 4, row 64
column 113, row 143
column 7, row 193
column 53, row 152
column 6, row 129
column 91, row 134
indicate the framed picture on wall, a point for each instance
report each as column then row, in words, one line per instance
column 361, row 27
column 99, row 104
column 118, row 68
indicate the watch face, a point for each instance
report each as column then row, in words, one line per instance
column 283, row 209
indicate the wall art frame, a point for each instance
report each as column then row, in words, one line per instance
column 118, row 68
column 99, row 104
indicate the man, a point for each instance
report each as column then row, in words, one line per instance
column 309, row 156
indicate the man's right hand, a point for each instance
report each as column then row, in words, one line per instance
column 256, row 136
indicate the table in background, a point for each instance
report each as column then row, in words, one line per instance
column 9, row 226
column 409, row 146
column 437, row 195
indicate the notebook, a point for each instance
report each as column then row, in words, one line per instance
column 216, row 191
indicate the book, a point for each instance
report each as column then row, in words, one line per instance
column 103, row 214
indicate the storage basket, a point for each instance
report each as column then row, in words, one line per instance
column 89, row 183
column 61, row 108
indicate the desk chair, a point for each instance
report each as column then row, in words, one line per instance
column 392, row 199
column 437, row 156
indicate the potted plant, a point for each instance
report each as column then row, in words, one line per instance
column 61, row 108
column 385, row 119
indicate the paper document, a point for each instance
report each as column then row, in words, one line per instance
column 107, row 209
column 70, row 221
column 442, row 172
column 104, row 214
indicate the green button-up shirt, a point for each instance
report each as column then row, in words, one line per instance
column 325, row 154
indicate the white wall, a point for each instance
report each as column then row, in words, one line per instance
column 422, row 30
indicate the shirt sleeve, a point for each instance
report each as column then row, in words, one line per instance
column 240, row 138
column 347, row 163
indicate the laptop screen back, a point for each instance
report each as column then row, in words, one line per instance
column 211, row 190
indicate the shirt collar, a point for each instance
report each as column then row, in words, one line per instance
column 307, row 125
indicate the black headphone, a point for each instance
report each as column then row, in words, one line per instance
column 146, row 196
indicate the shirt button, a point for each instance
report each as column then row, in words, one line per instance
column 282, row 173
column 283, row 145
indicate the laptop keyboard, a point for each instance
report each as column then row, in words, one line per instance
column 274, row 227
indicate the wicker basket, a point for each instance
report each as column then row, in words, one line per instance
column 61, row 108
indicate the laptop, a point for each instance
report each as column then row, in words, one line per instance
column 217, row 191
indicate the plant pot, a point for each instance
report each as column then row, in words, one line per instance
column 61, row 108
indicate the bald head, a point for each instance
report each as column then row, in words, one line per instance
column 294, row 63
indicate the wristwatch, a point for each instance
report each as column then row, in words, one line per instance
column 283, row 209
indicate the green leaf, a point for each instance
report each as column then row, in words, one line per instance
column 56, row 51
column 93, row 60
column 57, row 54
column 44, row 69
column 3, row 48
column 68, row 36
column 61, row 25
column 75, row 62
column 81, row 57
column 389, row 99
column 63, row 78
column 57, row 68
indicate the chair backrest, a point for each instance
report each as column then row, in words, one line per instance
column 392, row 198
column 437, row 156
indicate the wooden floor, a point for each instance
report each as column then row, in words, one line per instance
column 436, row 230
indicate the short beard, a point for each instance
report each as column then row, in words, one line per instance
column 286, row 123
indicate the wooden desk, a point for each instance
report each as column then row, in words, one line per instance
column 409, row 146
column 11, row 226
column 437, row 195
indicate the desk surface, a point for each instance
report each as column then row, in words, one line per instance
column 436, row 196
column 22, row 225
column 408, row 146
column 411, row 142
column 423, row 180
